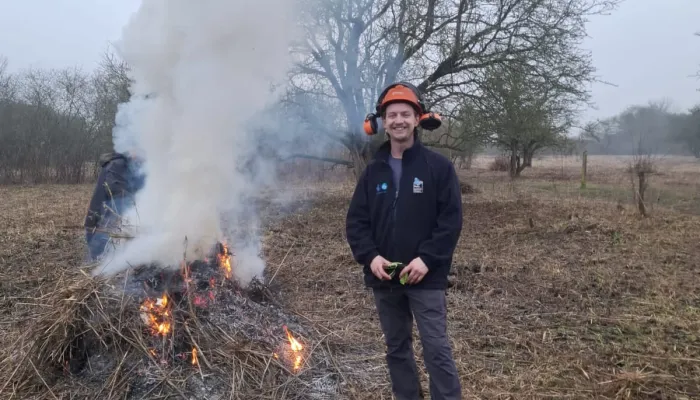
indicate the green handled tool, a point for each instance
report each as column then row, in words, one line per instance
column 396, row 266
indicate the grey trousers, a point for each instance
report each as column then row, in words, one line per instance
column 397, row 308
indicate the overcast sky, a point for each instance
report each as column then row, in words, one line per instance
column 646, row 47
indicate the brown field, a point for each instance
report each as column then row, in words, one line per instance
column 559, row 292
column 674, row 186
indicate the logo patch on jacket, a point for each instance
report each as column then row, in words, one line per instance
column 417, row 185
column 382, row 187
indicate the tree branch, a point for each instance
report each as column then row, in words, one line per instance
column 324, row 159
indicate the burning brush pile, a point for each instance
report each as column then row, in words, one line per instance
column 156, row 333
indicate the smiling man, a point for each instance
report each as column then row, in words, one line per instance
column 407, row 209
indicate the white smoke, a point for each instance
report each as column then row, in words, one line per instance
column 201, row 70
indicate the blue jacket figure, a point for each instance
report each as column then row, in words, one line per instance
column 117, row 183
column 403, row 224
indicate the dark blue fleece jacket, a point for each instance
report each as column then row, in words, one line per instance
column 117, row 181
column 422, row 219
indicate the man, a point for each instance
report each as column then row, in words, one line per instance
column 407, row 208
column 118, row 181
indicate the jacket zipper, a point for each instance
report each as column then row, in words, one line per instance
column 393, row 217
column 393, row 208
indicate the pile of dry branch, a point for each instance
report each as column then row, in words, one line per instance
column 190, row 334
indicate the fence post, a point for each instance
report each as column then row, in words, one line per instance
column 584, row 168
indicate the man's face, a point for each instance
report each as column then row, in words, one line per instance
column 400, row 121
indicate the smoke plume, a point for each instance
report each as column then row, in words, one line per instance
column 202, row 71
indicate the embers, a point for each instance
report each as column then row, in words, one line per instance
column 170, row 299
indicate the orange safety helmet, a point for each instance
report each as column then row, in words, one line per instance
column 406, row 93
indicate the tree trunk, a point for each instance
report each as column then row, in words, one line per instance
column 360, row 153
column 584, row 169
column 641, row 175
column 454, row 158
column 469, row 161
column 527, row 158
column 513, row 170
column 468, row 157
column 359, row 163
column 526, row 162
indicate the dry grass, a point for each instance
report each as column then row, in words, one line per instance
column 85, row 339
column 674, row 185
column 67, row 335
column 558, row 294
column 587, row 303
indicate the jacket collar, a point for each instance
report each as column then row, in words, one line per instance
column 384, row 151
column 108, row 157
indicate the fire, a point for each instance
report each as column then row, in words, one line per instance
column 156, row 314
column 296, row 348
column 224, row 259
column 195, row 361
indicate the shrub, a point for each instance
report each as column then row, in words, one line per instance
column 500, row 163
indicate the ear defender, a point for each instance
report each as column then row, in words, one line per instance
column 430, row 121
column 401, row 92
column 371, row 125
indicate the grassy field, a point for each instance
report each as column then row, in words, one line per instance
column 559, row 292
column 675, row 184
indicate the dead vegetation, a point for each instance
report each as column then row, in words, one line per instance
column 672, row 184
column 582, row 303
column 67, row 335
column 552, row 299
column 500, row 163
column 86, row 338
column 640, row 169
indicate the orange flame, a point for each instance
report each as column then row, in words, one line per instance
column 224, row 260
column 296, row 348
column 156, row 314
column 195, row 361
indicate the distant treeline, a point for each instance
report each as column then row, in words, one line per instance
column 54, row 124
column 650, row 129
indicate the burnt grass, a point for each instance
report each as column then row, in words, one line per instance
column 550, row 299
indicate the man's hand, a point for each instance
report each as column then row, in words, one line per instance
column 377, row 266
column 416, row 270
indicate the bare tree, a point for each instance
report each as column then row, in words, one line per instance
column 526, row 113
column 111, row 84
column 462, row 135
column 55, row 123
column 640, row 125
column 640, row 169
column 8, row 84
column 663, row 131
column 601, row 132
column 686, row 130
column 645, row 128
column 354, row 48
